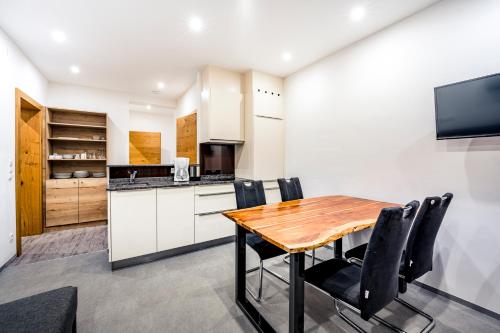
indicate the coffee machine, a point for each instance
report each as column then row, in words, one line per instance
column 181, row 169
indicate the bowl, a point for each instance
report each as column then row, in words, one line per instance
column 81, row 174
column 61, row 175
column 98, row 174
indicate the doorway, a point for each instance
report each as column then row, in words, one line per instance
column 29, row 167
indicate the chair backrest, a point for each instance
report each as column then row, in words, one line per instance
column 420, row 247
column 290, row 189
column 249, row 194
column 380, row 270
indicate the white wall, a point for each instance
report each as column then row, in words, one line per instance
column 361, row 122
column 16, row 71
column 115, row 104
column 157, row 122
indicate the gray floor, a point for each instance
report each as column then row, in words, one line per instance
column 63, row 243
column 195, row 292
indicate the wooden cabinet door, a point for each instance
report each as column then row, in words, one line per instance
column 92, row 200
column 132, row 223
column 175, row 217
column 61, row 202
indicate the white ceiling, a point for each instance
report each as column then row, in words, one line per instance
column 130, row 45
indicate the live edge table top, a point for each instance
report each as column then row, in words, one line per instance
column 306, row 224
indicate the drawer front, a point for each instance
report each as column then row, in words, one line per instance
column 213, row 189
column 212, row 226
column 214, row 203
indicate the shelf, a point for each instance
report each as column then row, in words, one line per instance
column 75, row 140
column 77, row 125
column 78, row 160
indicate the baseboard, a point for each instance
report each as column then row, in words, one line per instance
column 8, row 262
column 170, row 253
column 458, row 300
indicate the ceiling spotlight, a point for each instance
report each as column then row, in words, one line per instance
column 358, row 13
column 161, row 85
column 286, row 56
column 195, row 24
column 74, row 69
column 148, row 107
column 58, row 36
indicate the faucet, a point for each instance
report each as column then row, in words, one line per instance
column 132, row 176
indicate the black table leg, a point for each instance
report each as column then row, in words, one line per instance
column 243, row 303
column 338, row 248
column 296, row 305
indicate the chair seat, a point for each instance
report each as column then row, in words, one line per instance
column 52, row 311
column 359, row 253
column 264, row 249
column 338, row 278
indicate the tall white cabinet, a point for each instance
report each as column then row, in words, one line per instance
column 263, row 154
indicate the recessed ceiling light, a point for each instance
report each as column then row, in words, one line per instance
column 74, row 69
column 148, row 107
column 58, row 36
column 195, row 24
column 358, row 13
column 286, row 56
column 161, row 85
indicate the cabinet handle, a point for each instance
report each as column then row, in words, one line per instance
column 267, row 117
column 210, row 194
column 214, row 212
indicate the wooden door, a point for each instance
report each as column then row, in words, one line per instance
column 61, row 202
column 187, row 142
column 29, row 167
column 92, row 200
column 144, row 147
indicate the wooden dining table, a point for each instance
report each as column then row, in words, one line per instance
column 297, row 226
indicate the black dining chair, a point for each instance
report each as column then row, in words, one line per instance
column 250, row 194
column 417, row 258
column 368, row 288
column 292, row 190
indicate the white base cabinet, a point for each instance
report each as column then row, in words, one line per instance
column 132, row 221
column 175, row 219
column 212, row 226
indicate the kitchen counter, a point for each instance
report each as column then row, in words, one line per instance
column 122, row 184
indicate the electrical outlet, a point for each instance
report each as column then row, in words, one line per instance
column 11, row 237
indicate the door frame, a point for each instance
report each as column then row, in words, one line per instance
column 19, row 98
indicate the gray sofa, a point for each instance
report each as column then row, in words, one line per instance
column 51, row 311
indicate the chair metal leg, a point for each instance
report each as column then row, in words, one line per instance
column 354, row 325
column 261, row 270
column 257, row 297
column 346, row 319
column 429, row 326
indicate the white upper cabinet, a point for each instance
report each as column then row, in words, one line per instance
column 225, row 111
column 222, row 117
column 268, row 103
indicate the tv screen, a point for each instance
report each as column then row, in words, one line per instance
column 469, row 108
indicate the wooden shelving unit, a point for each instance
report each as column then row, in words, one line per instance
column 75, row 132
column 75, row 202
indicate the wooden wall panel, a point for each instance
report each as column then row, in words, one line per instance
column 187, row 142
column 144, row 147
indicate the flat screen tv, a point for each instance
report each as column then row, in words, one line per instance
column 468, row 109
